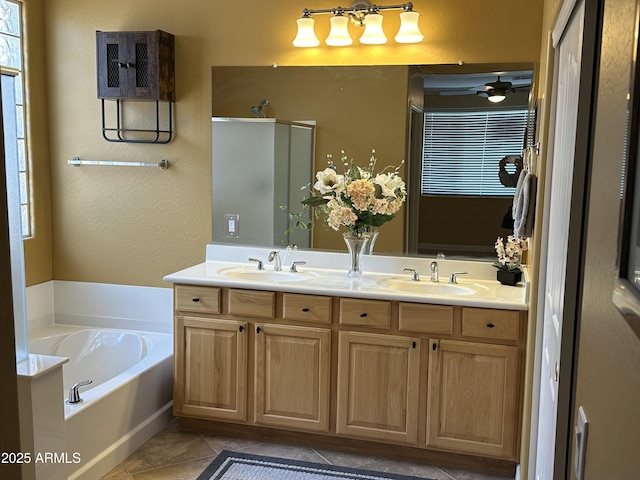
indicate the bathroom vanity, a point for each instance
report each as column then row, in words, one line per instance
column 378, row 364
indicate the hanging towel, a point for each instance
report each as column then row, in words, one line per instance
column 518, row 193
column 521, row 206
column 528, row 224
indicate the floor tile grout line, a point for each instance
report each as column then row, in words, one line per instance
column 167, row 465
column 321, row 456
column 452, row 478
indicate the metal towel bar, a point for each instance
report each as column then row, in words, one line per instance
column 164, row 164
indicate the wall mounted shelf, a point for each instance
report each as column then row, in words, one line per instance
column 136, row 66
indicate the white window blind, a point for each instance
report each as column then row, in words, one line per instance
column 462, row 149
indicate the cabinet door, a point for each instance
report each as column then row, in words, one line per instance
column 210, row 368
column 292, row 369
column 473, row 390
column 136, row 65
column 378, row 386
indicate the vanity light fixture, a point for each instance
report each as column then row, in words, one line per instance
column 362, row 13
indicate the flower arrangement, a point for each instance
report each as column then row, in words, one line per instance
column 510, row 253
column 358, row 199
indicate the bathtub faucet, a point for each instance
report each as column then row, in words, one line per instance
column 74, row 394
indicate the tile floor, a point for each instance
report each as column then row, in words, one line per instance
column 180, row 454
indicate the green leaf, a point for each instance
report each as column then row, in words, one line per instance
column 315, row 201
column 354, row 172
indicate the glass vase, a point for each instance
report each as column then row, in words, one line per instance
column 373, row 235
column 356, row 246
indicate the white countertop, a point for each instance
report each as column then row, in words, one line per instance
column 325, row 273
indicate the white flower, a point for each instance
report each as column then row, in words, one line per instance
column 329, row 181
column 391, row 184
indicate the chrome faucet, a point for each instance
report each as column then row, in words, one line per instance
column 259, row 262
column 74, row 394
column 416, row 275
column 434, row 271
column 454, row 276
column 294, row 265
column 275, row 258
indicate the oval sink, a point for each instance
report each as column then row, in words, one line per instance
column 262, row 275
column 431, row 288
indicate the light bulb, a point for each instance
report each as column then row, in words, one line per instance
column 409, row 31
column 306, row 36
column 339, row 34
column 373, row 33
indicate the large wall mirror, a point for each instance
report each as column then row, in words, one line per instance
column 360, row 108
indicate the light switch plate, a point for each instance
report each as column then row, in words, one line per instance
column 581, row 429
column 232, row 225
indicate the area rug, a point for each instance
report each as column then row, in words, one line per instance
column 243, row 466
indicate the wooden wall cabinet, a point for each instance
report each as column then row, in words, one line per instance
column 136, row 65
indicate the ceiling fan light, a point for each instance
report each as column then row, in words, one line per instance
column 373, row 33
column 306, row 36
column 339, row 34
column 496, row 97
column 409, row 31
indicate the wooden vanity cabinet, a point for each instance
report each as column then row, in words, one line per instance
column 210, row 357
column 292, row 376
column 474, row 386
column 378, row 386
column 438, row 378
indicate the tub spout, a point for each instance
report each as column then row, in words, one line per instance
column 74, row 393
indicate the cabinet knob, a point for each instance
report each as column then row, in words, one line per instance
column 241, row 328
column 490, row 325
column 305, row 309
column 434, row 346
column 258, row 329
column 364, row 314
column 414, row 345
column 195, row 300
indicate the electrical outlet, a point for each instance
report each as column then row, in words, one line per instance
column 232, row 225
column 580, row 449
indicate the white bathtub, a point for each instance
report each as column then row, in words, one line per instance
column 130, row 394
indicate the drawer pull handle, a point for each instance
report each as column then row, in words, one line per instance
column 414, row 345
column 363, row 315
column 305, row 309
column 241, row 328
column 490, row 325
column 434, row 346
column 258, row 329
column 196, row 300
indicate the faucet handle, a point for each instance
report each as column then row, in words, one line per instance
column 416, row 275
column 74, row 393
column 294, row 265
column 260, row 264
column 454, row 276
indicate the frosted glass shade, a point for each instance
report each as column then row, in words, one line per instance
column 373, row 34
column 409, row 31
column 496, row 97
column 339, row 34
column 306, row 36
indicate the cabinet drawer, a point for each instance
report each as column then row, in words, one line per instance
column 306, row 308
column 491, row 324
column 252, row 303
column 425, row 318
column 192, row 298
column 366, row 313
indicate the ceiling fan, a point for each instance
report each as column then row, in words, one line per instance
column 494, row 91
column 497, row 91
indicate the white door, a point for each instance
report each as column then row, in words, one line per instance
column 568, row 47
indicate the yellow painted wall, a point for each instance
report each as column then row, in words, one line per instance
column 132, row 226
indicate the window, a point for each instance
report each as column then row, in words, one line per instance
column 462, row 149
column 11, row 42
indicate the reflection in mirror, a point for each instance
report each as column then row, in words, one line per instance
column 359, row 108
